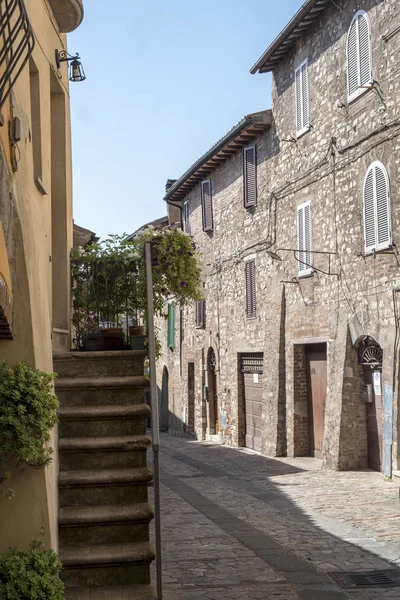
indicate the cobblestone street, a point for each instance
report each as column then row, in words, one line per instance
column 237, row 525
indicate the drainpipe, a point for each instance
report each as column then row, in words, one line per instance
column 168, row 185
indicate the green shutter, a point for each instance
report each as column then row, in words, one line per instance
column 171, row 326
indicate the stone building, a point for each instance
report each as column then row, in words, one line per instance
column 296, row 212
column 35, row 223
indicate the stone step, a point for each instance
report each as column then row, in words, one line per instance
column 98, row 564
column 110, row 524
column 116, row 452
column 99, row 364
column 130, row 592
column 107, row 420
column 103, row 486
column 100, row 390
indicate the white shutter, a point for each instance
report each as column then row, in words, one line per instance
column 352, row 59
column 250, row 176
column 305, row 99
column 364, row 43
column 359, row 64
column 377, row 222
column 299, row 121
column 304, row 238
column 302, row 98
column 369, row 212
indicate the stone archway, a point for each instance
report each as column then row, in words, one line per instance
column 164, row 401
column 370, row 356
column 212, row 397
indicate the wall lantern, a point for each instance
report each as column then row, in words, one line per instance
column 297, row 251
column 76, row 72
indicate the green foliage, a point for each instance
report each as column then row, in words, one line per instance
column 27, row 415
column 32, row 574
column 110, row 277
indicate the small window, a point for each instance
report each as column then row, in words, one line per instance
column 377, row 222
column 36, row 128
column 186, row 222
column 250, row 176
column 304, row 238
column 200, row 315
column 206, row 203
column 171, row 326
column 250, row 289
column 359, row 59
column 302, row 99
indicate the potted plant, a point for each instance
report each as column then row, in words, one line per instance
column 28, row 413
column 109, row 281
column 32, row 574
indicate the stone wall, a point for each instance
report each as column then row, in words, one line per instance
column 325, row 166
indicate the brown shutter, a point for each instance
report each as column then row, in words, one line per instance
column 206, row 202
column 250, row 288
column 201, row 315
column 250, row 177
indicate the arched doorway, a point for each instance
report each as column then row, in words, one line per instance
column 164, row 410
column 370, row 356
column 212, row 398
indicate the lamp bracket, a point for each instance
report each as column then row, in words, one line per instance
column 64, row 56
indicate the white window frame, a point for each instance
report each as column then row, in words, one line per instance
column 383, row 245
column 305, row 128
column 361, row 89
column 307, row 270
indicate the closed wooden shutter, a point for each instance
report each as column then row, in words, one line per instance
column 171, row 326
column 302, row 98
column 250, row 288
column 206, row 202
column 304, row 238
column 250, row 176
column 359, row 64
column 377, row 222
column 200, row 314
column 186, row 222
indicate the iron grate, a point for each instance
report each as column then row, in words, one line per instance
column 367, row 579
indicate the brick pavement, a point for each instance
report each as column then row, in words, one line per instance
column 237, row 525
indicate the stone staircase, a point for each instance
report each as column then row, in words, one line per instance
column 104, row 513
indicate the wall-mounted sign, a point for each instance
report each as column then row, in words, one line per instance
column 255, row 378
column 222, row 421
column 377, row 383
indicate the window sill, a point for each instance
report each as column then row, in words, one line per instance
column 251, row 318
column 358, row 93
column 302, row 132
column 374, row 251
column 307, row 275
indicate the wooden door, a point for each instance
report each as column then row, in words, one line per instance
column 253, row 389
column 374, row 424
column 316, row 384
column 190, row 418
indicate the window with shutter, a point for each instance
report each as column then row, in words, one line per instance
column 304, row 238
column 250, row 272
column 171, row 326
column 359, row 60
column 250, row 176
column 206, row 202
column 200, row 315
column 186, row 222
column 302, row 99
column 377, row 222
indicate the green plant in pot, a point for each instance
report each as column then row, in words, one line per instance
column 27, row 415
column 31, row 574
column 109, row 280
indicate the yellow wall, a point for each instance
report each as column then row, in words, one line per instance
column 31, row 220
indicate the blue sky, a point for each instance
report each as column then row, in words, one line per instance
column 165, row 80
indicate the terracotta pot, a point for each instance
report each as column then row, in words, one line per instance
column 138, row 330
column 113, row 338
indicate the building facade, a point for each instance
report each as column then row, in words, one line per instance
column 36, row 224
column 295, row 351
